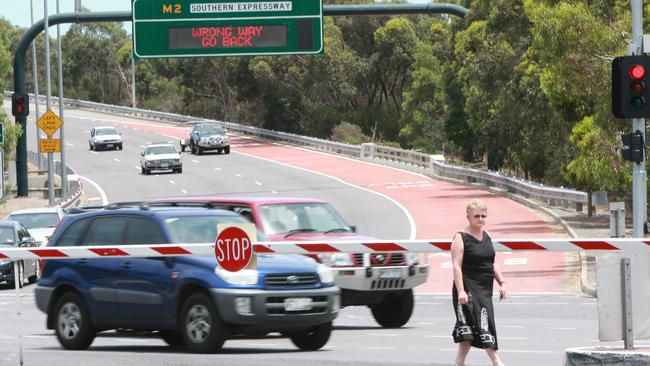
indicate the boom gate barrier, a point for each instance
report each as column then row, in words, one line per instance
column 310, row 247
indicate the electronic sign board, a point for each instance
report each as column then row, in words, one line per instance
column 191, row 28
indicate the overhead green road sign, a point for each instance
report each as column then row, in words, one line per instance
column 206, row 28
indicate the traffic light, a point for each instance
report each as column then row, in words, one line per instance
column 20, row 104
column 636, row 146
column 630, row 96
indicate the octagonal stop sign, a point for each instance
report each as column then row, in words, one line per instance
column 233, row 249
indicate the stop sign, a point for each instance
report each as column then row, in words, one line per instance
column 233, row 249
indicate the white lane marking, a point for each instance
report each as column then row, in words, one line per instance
column 116, row 159
column 94, row 198
column 425, row 323
column 137, row 167
column 274, row 192
column 438, row 255
column 172, row 182
column 69, row 144
column 195, row 161
column 94, row 152
column 37, row 336
column 86, row 131
column 382, row 334
column 439, row 336
column 218, row 169
column 559, row 328
column 516, row 261
column 184, row 191
column 238, row 175
column 99, row 189
column 258, row 183
column 142, row 146
column 406, row 212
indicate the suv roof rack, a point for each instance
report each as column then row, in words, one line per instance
column 141, row 205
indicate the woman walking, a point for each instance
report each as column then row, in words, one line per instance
column 472, row 256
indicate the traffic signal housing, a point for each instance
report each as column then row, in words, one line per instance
column 630, row 95
column 633, row 140
column 20, row 104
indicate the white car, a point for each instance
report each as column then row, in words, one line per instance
column 40, row 222
column 105, row 137
column 160, row 157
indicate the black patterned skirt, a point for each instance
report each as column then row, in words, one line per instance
column 475, row 320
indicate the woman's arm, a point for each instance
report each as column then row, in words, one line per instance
column 457, row 250
column 500, row 280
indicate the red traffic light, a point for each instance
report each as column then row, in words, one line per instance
column 637, row 72
column 20, row 105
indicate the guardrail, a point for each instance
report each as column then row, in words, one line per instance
column 75, row 188
column 429, row 165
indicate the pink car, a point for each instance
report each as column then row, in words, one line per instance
column 382, row 281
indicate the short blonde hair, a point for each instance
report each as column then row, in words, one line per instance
column 476, row 204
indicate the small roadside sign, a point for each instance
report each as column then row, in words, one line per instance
column 49, row 122
column 233, row 248
column 2, row 133
column 49, row 146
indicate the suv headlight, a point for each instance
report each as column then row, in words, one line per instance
column 336, row 259
column 243, row 277
column 325, row 273
column 412, row 259
column 148, row 163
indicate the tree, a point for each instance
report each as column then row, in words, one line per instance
column 597, row 166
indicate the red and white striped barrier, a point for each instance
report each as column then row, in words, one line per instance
column 307, row 247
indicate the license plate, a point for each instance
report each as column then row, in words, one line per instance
column 297, row 304
column 109, row 145
column 164, row 165
column 390, row 273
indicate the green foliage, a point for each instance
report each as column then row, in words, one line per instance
column 5, row 55
column 597, row 166
column 12, row 133
column 348, row 133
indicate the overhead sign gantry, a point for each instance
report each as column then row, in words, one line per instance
column 195, row 28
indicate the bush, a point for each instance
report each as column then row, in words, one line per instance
column 348, row 133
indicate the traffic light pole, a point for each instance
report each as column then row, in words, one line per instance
column 639, row 177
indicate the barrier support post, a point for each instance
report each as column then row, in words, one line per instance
column 18, row 307
column 626, row 294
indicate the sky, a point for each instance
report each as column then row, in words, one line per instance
column 18, row 12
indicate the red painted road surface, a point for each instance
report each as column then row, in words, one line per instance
column 437, row 207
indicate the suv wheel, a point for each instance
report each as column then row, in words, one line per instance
column 201, row 329
column 226, row 149
column 91, row 146
column 394, row 311
column 173, row 339
column 73, row 328
column 313, row 338
column 192, row 147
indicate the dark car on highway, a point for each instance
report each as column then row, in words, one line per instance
column 187, row 300
column 14, row 235
column 207, row 136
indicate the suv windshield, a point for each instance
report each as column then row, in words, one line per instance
column 157, row 150
column 198, row 229
column 296, row 217
column 105, row 131
column 36, row 220
column 211, row 129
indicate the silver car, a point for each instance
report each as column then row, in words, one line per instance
column 40, row 222
column 160, row 157
column 105, row 137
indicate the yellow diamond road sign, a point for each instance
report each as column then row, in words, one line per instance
column 49, row 122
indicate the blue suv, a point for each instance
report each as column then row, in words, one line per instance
column 189, row 301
